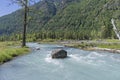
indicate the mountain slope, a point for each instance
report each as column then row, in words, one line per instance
column 40, row 13
column 69, row 19
column 92, row 15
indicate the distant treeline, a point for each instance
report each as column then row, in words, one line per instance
column 61, row 35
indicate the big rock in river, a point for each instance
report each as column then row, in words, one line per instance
column 59, row 53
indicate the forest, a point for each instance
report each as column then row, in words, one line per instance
column 68, row 19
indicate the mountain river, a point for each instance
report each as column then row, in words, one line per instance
column 80, row 65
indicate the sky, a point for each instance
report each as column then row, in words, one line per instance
column 6, row 7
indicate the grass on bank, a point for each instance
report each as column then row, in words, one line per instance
column 86, row 44
column 92, row 45
column 112, row 40
column 110, row 46
column 9, row 50
column 109, row 43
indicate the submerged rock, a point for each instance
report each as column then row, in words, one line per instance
column 59, row 53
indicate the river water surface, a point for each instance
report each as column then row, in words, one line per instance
column 80, row 65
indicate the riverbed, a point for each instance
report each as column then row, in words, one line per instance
column 80, row 65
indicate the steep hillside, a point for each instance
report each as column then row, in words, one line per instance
column 91, row 17
column 66, row 19
column 39, row 14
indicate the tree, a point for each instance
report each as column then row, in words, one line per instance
column 25, row 22
column 24, row 4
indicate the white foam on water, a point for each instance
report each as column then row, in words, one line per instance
column 74, row 57
column 96, row 58
column 82, row 59
column 94, row 55
column 93, row 58
column 49, row 59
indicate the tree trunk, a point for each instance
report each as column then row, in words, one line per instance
column 25, row 24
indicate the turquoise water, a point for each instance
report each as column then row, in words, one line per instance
column 80, row 65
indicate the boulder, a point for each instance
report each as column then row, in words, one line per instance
column 59, row 53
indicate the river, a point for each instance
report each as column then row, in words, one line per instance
column 80, row 65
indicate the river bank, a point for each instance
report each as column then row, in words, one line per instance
column 109, row 45
column 113, row 47
column 10, row 50
column 106, row 49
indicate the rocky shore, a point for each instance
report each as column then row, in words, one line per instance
column 106, row 49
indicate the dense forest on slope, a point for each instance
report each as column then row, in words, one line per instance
column 64, row 19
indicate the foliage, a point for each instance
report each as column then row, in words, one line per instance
column 67, row 19
column 110, row 46
column 9, row 50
